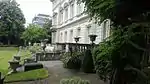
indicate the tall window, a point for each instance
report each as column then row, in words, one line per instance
column 66, row 14
column 65, row 37
column 62, row 16
column 79, row 31
column 72, row 10
column 71, row 35
column 79, row 8
column 55, row 19
column 66, row 11
column 104, row 29
column 61, row 36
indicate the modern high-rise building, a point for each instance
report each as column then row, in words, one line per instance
column 69, row 21
column 41, row 19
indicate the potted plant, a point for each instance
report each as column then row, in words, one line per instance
column 17, row 58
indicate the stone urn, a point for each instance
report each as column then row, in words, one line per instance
column 17, row 58
column 76, row 39
column 92, row 37
column 14, row 64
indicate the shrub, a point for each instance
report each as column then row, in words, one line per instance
column 35, row 48
column 102, row 60
column 74, row 80
column 87, row 64
column 72, row 61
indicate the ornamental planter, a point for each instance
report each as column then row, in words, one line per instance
column 14, row 64
column 92, row 37
column 76, row 39
column 17, row 58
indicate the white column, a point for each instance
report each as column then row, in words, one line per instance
column 52, row 37
column 67, row 48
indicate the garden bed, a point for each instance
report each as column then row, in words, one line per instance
column 27, row 76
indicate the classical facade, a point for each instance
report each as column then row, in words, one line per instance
column 40, row 19
column 69, row 21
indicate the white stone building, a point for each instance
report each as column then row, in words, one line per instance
column 69, row 21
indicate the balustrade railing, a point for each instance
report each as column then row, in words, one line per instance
column 73, row 46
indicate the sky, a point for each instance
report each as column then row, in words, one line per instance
column 30, row 8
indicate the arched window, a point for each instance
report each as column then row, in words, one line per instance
column 66, row 11
column 79, row 8
column 71, row 35
column 54, row 18
column 65, row 37
column 72, row 8
column 61, row 15
column 61, row 37
column 78, row 31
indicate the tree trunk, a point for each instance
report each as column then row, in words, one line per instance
column 117, row 77
column 8, row 42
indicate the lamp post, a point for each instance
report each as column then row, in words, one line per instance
column 76, row 40
column 92, row 38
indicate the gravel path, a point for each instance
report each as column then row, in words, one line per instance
column 57, row 72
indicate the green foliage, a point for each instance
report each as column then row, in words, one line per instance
column 127, row 46
column 35, row 48
column 99, row 10
column 120, row 12
column 74, row 80
column 29, row 75
column 11, row 21
column 124, row 48
column 47, row 26
column 87, row 64
column 72, row 61
column 34, row 33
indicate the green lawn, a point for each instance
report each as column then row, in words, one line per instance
column 7, row 54
column 30, row 75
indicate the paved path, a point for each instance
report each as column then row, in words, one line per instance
column 57, row 72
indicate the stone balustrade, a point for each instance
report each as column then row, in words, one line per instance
column 47, row 56
column 68, row 47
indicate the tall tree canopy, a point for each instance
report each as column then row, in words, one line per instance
column 34, row 33
column 11, row 21
column 121, row 12
column 47, row 26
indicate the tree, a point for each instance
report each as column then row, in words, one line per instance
column 120, row 12
column 11, row 21
column 34, row 33
column 47, row 26
column 127, row 48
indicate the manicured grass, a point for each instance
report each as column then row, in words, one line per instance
column 6, row 54
column 30, row 75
